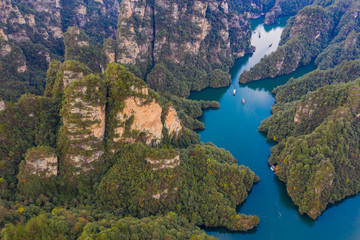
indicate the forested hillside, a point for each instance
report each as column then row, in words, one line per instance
column 31, row 35
column 97, row 140
column 101, row 146
column 175, row 46
column 325, row 32
column 317, row 124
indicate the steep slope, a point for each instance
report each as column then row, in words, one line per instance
column 120, row 145
column 303, row 39
column 34, row 31
column 318, row 151
column 326, row 34
column 186, row 45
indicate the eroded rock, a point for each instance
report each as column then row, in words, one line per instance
column 172, row 122
column 41, row 161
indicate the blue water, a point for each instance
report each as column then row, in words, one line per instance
column 234, row 127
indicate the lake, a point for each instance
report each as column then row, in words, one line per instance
column 234, row 127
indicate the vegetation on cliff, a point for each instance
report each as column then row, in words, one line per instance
column 88, row 127
column 181, row 46
column 32, row 34
column 325, row 32
column 303, row 38
column 318, row 134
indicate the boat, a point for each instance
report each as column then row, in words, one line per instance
column 234, row 92
column 270, row 45
column 273, row 168
column 243, row 101
column 259, row 35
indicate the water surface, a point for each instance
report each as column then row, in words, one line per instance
column 234, row 127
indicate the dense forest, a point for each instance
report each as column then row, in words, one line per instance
column 179, row 53
column 317, row 123
column 97, row 140
column 324, row 33
column 80, row 162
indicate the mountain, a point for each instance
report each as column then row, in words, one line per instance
column 31, row 35
column 317, row 123
column 181, row 46
column 102, row 140
column 324, row 32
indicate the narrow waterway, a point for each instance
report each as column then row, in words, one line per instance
column 234, row 127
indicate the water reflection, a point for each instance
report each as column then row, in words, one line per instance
column 234, row 127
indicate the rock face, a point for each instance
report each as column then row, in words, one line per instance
column 135, row 111
column 304, row 110
column 34, row 29
column 174, row 33
column 83, row 115
column 172, row 122
column 41, row 161
column 146, row 118
column 164, row 163
column 2, row 105
column 285, row 7
column 301, row 41
column 79, row 48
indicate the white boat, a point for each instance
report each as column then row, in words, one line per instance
column 243, row 101
column 234, row 92
column 273, row 168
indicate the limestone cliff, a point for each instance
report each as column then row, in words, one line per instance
column 304, row 37
column 38, row 172
column 83, row 115
column 35, row 30
column 285, row 8
column 2, row 105
column 41, row 161
column 78, row 47
column 172, row 122
column 182, row 42
column 135, row 111
column 13, row 67
column 146, row 118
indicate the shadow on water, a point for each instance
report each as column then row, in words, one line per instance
column 269, row 84
column 280, row 22
column 214, row 94
column 224, row 230
column 288, row 203
column 268, row 199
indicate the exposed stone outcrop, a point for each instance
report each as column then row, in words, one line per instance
column 110, row 50
column 37, row 27
column 2, row 105
column 145, row 118
column 301, row 41
column 78, row 47
column 130, row 50
column 84, row 121
column 41, row 161
column 282, row 8
column 172, row 122
column 304, row 111
column 22, row 68
column 164, row 163
column 174, row 33
column 163, row 194
column 65, row 74
column 5, row 50
column 135, row 112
